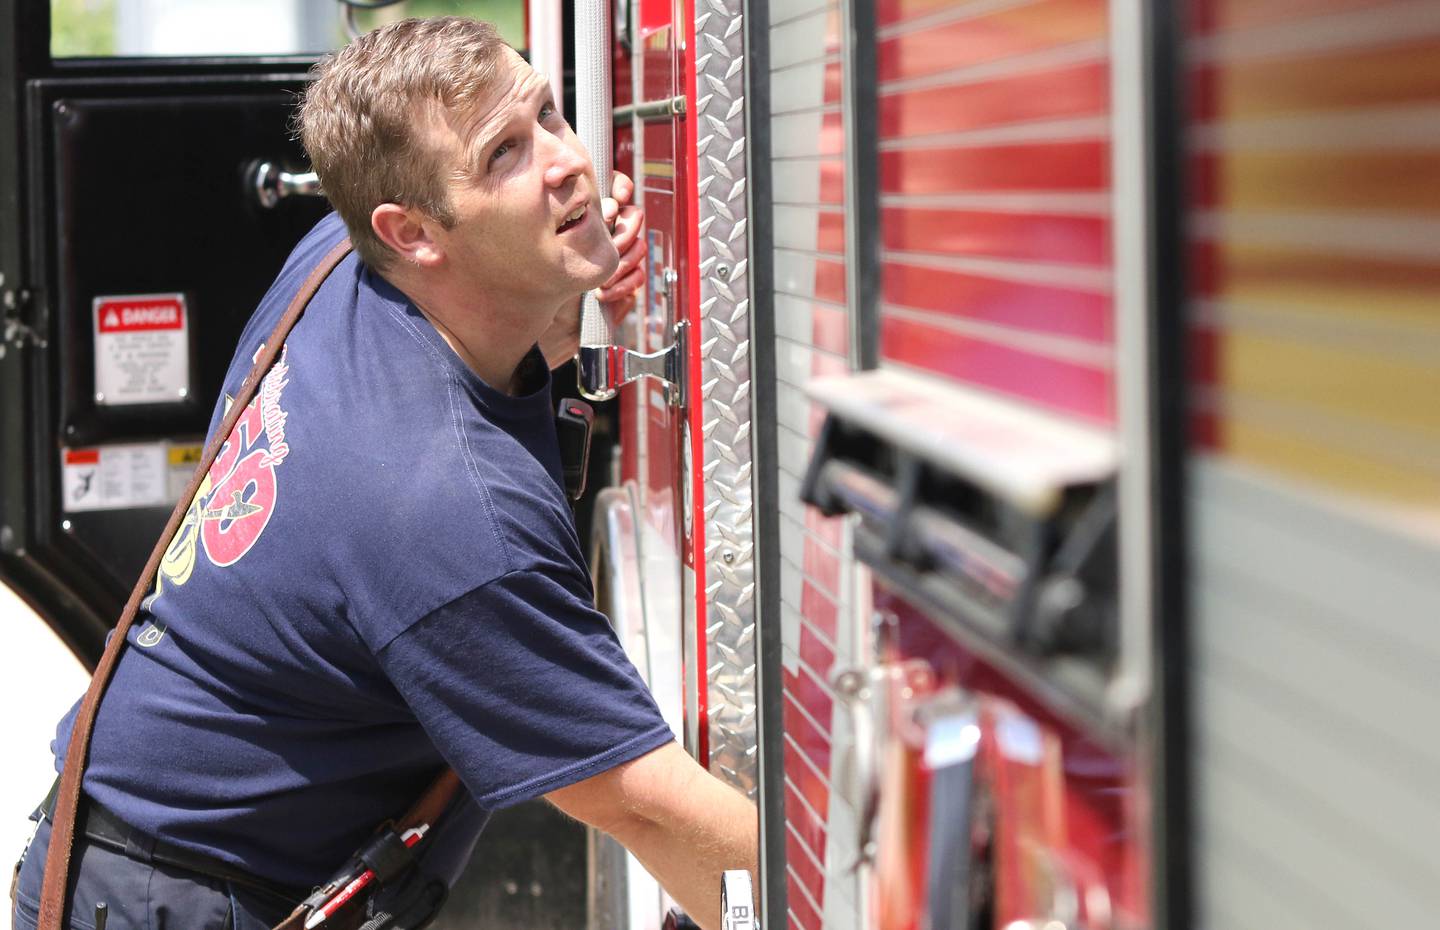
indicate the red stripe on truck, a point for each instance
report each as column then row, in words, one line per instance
column 1082, row 165
column 1065, row 386
column 1083, row 90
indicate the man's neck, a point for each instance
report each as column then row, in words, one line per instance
column 491, row 337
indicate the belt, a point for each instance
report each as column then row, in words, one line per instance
column 103, row 828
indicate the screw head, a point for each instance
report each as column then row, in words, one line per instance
column 850, row 682
column 184, row 393
column 722, row 272
column 99, row 397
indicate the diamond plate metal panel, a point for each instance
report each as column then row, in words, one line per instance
column 725, row 389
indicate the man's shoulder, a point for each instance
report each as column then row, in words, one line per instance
column 308, row 252
column 321, row 238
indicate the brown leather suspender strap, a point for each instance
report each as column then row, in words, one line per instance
column 62, row 836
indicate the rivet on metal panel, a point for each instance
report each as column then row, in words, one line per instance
column 99, row 397
column 852, row 683
column 64, row 525
column 722, row 272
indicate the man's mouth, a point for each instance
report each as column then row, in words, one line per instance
column 573, row 220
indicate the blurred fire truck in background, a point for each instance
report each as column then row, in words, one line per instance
column 1053, row 511
column 1024, row 479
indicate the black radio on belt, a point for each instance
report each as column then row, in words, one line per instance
column 572, row 424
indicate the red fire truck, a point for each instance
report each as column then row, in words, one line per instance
column 1050, row 508
column 1017, row 474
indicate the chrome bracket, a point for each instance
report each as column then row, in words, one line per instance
column 605, row 369
column 650, row 110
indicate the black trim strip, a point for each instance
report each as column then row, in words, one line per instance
column 864, row 185
column 768, row 679
column 1169, row 718
column 13, row 517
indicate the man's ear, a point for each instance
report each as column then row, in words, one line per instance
column 408, row 233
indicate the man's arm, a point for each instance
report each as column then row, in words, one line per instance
column 683, row 824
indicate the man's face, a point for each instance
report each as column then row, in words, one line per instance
column 527, row 207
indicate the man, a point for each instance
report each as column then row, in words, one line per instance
column 380, row 573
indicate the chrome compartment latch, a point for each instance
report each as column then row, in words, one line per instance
column 604, row 369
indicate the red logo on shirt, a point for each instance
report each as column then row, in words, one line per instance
column 234, row 503
column 243, row 488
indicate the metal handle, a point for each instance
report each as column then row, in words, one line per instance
column 650, row 110
column 737, row 901
column 271, row 183
column 864, row 693
column 593, row 123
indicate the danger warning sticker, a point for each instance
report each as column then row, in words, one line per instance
column 142, row 349
column 133, row 316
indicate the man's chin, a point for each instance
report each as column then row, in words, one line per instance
column 600, row 270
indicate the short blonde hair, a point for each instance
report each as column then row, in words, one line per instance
column 364, row 118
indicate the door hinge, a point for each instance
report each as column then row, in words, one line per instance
column 14, row 331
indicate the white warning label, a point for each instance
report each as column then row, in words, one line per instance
column 115, row 477
column 142, row 349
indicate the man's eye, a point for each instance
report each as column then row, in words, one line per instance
column 547, row 111
column 500, row 149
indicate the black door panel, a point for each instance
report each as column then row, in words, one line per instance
column 136, row 187
column 149, row 198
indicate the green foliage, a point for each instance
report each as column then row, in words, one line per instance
column 82, row 28
column 507, row 15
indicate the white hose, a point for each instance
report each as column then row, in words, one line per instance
column 593, row 124
column 547, row 52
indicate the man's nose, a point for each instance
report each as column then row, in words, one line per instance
column 565, row 160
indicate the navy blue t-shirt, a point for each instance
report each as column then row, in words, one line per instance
column 381, row 574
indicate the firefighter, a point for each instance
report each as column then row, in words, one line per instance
column 380, row 575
